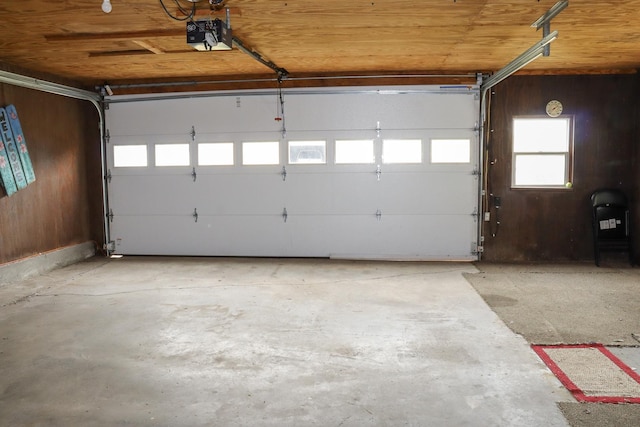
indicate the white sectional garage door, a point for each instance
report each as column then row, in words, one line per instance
column 357, row 174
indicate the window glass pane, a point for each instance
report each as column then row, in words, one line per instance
column 307, row 152
column 215, row 154
column 355, row 151
column 541, row 151
column 260, row 153
column 401, row 151
column 129, row 156
column 540, row 170
column 172, row 155
column 450, row 151
column 541, row 135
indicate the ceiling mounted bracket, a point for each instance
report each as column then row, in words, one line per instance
column 537, row 50
column 520, row 62
column 544, row 22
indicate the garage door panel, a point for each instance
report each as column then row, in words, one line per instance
column 435, row 193
column 331, row 193
column 246, row 235
column 156, row 194
column 329, row 235
column 419, row 210
column 227, row 194
column 427, row 236
column 207, row 115
column 308, row 194
column 211, row 235
column 345, row 111
column 156, row 235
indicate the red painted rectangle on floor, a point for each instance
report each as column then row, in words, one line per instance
column 591, row 372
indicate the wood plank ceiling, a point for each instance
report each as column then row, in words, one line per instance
column 137, row 42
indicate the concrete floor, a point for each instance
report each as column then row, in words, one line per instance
column 266, row 342
column 573, row 303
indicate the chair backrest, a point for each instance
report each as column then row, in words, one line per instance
column 609, row 197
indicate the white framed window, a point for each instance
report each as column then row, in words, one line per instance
column 401, row 151
column 355, row 151
column 307, row 152
column 126, row 156
column 542, row 152
column 261, row 153
column 172, row 155
column 215, row 154
column 450, row 151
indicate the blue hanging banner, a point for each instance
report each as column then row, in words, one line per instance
column 21, row 143
column 12, row 150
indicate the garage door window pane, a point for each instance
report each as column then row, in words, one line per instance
column 215, row 154
column 129, row 156
column 401, row 151
column 260, row 153
column 355, row 151
column 172, row 155
column 450, row 151
column 301, row 152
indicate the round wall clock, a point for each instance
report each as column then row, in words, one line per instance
column 554, row 108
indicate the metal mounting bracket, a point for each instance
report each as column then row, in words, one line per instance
column 284, row 173
column 195, row 214
column 475, row 214
column 194, row 175
column 544, row 22
column 285, row 215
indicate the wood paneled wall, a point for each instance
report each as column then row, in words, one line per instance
column 63, row 206
column 555, row 225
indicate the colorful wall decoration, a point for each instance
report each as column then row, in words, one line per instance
column 16, row 169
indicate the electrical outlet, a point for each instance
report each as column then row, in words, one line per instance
column 487, row 216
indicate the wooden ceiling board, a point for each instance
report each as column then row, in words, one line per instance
column 137, row 41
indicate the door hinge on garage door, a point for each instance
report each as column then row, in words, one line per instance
column 475, row 214
column 476, row 249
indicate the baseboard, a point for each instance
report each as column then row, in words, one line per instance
column 39, row 264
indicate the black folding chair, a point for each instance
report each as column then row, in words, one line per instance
column 611, row 226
